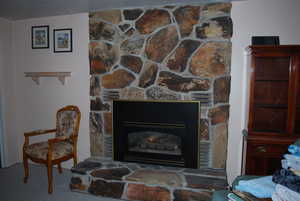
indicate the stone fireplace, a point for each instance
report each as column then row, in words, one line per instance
column 156, row 132
column 172, row 52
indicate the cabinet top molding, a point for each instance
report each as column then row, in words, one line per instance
column 35, row 76
column 272, row 48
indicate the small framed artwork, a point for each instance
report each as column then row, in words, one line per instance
column 39, row 37
column 62, row 40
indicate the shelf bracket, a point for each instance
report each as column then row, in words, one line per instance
column 35, row 76
column 36, row 79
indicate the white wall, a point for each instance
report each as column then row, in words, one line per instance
column 36, row 105
column 7, row 92
column 250, row 18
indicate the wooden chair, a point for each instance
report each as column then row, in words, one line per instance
column 54, row 151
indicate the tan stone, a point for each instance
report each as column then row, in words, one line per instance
column 118, row 79
column 132, row 93
column 216, row 9
column 187, row 17
column 148, row 75
column 211, row 60
column 178, row 60
column 152, row 177
column 182, row 84
column 103, row 57
column 219, row 114
column 151, row 20
column 159, row 93
column 103, row 31
column 132, row 46
column 162, row 43
column 219, row 146
column 112, row 16
column 133, row 63
column 96, row 146
column 107, row 122
column 204, row 129
column 146, row 193
column 219, row 27
column 222, row 90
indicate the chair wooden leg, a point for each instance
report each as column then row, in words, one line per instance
column 26, row 169
column 75, row 160
column 59, row 168
column 49, row 171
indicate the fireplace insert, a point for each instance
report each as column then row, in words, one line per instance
column 157, row 132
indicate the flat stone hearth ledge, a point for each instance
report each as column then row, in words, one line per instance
column 140, row 182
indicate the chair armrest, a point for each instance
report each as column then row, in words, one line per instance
column 35, row 133
column 39, row 132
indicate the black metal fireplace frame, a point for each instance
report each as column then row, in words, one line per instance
column 154, row 113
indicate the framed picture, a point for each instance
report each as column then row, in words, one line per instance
column 62, row 40
column 39, row 37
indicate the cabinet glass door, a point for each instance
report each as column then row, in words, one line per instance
column 271, row 87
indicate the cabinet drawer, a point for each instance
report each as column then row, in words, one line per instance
column 264, row 159
column 266, row 149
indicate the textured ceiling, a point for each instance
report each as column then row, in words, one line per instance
column 22, row 9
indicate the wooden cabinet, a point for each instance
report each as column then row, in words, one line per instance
column 274, row 106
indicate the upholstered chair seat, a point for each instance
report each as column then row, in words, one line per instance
column 40, row 150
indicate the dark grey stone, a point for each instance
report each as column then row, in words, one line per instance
column 186, row 195
column 207, row 171
column 98, row 105
column 124, row 27
column 106, row 189
column 132, row 14
column 84, row 166
column 208, row 183
column 111, row 174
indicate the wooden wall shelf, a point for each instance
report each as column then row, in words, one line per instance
column 35, row 76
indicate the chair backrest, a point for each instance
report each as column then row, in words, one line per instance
column 67, row 121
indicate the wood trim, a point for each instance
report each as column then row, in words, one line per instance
column 271, row 49
column 293, row 85
column 251, row 96
column 296, row 89
column 271, row 140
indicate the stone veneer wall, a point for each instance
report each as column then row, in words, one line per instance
column 162, row 53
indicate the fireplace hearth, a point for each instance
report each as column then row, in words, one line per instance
column 157, row 132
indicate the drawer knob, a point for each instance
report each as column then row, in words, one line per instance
column 261, row 149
